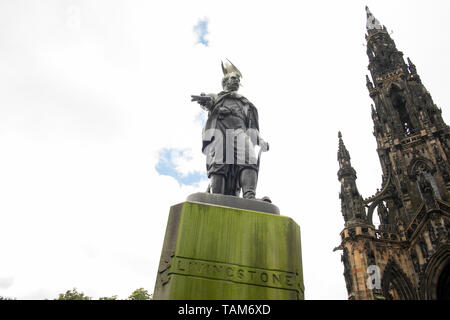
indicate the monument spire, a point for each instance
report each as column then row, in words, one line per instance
column 383, row 54
column 413, row 144
column 343, row 154
column 351, row 201
column 372, row 22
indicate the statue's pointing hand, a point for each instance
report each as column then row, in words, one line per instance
column 202, row 99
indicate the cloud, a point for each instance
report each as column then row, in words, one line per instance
column 5, row 283
column 200, row 118
column 201, row 30
column 175, row 163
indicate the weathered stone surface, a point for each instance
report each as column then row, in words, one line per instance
column 234, row 202
column 215, row 252
column 408, row 255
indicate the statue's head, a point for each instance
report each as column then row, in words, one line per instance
column 231, row 82
column 231, row 77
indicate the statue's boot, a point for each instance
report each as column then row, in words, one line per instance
column 217, row 184
column 248, row 180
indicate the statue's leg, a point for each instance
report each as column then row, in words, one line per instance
column 248, row 180
column 217, row 183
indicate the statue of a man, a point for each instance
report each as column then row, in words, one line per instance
column 229, row 138
column 383, row 213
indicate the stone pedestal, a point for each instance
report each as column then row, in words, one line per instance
column 213, row 251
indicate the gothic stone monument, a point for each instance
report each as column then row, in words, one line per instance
column 217, row 244
column 408, row 255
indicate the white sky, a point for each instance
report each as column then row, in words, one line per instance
column 91, row 91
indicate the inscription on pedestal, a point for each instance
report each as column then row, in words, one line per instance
column 235, row 273
column 219, row 252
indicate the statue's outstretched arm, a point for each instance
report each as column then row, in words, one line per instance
column 206, row 101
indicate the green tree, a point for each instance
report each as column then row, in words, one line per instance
column 73, row 295
column 140, row 294
column 108, row 298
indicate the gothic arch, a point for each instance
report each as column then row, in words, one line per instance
column 415, row 165
column 373, row 206
column 394, row 87
column 399, row 103
column 436, row 269
column 423, row 167
column 395, row 281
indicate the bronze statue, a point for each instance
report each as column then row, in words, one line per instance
column 229, row 138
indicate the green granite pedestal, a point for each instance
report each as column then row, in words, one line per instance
column 215, row 252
